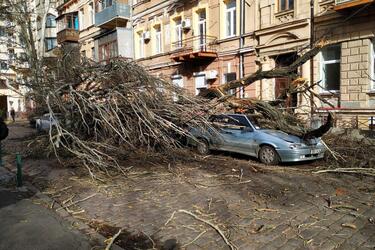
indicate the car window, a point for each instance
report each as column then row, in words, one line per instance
column 240, row 120
column 230, row 121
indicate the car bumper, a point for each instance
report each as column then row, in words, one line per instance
column 295, row 155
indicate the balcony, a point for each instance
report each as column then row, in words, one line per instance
column 115, row 15
column 195, row 48
column 68, row 35
column 346, row 4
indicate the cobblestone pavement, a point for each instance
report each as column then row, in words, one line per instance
column 256, row 207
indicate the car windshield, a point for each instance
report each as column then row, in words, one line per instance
column 257, row 122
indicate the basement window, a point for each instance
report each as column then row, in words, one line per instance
column 330, row 68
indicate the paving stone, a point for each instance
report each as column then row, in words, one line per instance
column 328, row 245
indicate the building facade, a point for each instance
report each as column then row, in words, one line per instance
column 12, row 62
column 45, row 27
column 100, row 28
column 346, row 67
column 196, row 44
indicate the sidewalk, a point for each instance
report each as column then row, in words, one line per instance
column 26, row 224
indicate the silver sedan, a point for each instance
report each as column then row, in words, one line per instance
column 240, row 134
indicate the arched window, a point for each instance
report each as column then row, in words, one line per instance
column 50, row 22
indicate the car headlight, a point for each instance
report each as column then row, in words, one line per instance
column 295, row 145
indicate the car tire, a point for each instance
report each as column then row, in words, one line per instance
column 202, row 147
column 268, row 155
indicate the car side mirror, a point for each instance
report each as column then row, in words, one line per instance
column 247, row 129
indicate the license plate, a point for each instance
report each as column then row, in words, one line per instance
column 315, row 151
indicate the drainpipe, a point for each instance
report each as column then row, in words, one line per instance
column 242, row 28
column 312, row 39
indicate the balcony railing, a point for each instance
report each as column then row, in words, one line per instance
column 68, row 35
column 196, row 47
column 116, row 15
column 345, row 4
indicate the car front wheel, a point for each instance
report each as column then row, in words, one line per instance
column 268, row 155
column 203, row 147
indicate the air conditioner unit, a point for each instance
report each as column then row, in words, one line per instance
column 186, row 24
column 211, row 74
column 146, row 35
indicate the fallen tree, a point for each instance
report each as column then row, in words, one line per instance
column 105, row 112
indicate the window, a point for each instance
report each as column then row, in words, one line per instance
column 330, row 67
column 202, row 29
column 372, row 71
column 51, row 43
column 3, row 65
column 71, row 22
column 108, row 50
column 141, row 44
column 178, row 33
column 286, row 5
column 51, row 21
column 93, row 54
column 91, row 13
column 230, row 16
column 22, row 57
column 158, row 41
column 106, row 4
column 230, row 77
column 2, row 31
column 81, row 19
column 11, row 53
column 3, row 84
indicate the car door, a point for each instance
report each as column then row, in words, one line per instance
column 223, row 138
column 244, row 138
column 235, row 134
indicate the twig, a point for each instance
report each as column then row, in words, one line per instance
column 231, row 245
column 222, row 184
column 332, row 152
column 196, row 238
column 153, row 243
column 113, row 238
column 363, row 171
column 170, row 218
column 74, row 203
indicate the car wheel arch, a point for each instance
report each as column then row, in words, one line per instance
column 266, row 144
column 262, row 145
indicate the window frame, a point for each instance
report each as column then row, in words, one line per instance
column 46, row 43
column 92, row 13
column 158, row 39
column 51, row 23
column 230, row 29
column 141, row 45
column 287, row 5
column 322, row 71
column 179, row 32
column 4, row 62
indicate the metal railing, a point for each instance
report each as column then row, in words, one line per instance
column 193, row 44
column 358, row 120
column 115, row 10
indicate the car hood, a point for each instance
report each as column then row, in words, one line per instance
column 282, row 135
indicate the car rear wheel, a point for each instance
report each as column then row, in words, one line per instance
column 203, row 147
column 268, row 155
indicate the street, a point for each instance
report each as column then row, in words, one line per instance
column 256, row 207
